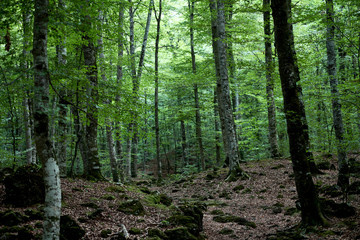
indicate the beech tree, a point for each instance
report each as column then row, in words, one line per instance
column 44, row 146
column 289, row 74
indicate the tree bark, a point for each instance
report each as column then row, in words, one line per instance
column 157, row 130
column 343, row 176
column 61, row 53
column 43, row 142
column 289, row 74
column 89, row 50
column 191, row 6
column 269, row 66
column 30, row 158
column 223, row 91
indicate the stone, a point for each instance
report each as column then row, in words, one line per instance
column 25, row 187
column 70, row 229
column 180, row 233
column 133, row 207
column 12, row 218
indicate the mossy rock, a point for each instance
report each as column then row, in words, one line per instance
column 90, row 205
column 17, row 233
column 108, row 197
column 354, row 188
column 133, row 207
column 291, row 211
column 105, row 233
column 238, row 188
column 25, row 187
column 195, row 211
column 331, row 190
column 217, row 212
column 70, row 229
column 340, row 210
column 34, row 214
column 95, row 214
column 211, row 176
column 226, row 231
column 164, row 199
column 246, row 191
column 12, row 218
column 278, row 166
column 180, row 233
column 135, row 231
column 235, row 219
column 224, row 194
column 116, row 189
column 154, row 232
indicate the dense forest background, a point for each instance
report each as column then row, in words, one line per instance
column 126, row 89
column 120, row 104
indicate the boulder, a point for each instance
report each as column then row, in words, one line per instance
column 70, row 229
column 25, row 187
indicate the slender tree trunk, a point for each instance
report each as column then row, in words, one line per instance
column 183, row 143
column 223, row 93
column 26, row 102
column 108, row 128
column 89, row 50
column 43, row 142
column 157, row 130
column 289, row 75
column 343, row 177
column 269, row 65
column 61, row 53
column 217, row 129
column 119, row 79
column 191, row 6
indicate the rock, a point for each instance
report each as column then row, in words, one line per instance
column 105, row 233
column 95, row 213
column 34, row 214
column 164, row 199
column 195, row 211
column 133, row 207
column 340, row 210
column 145, row 190
column 70, row 229
column 331, row 190
column 25, row 187
column 236, row 219
column 4, row 172
column 354, row 188
column 226, row 231
column 16, row 233
column 180, row 233
column 12, row 218
column 217, row 212
column 89, row 205
column 154, row 232
column 117, row 189
column 135, row 231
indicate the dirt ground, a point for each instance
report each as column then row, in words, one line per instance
column 266, row 199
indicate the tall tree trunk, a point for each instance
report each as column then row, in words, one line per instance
column 217, row 129
column 191, row 6
column 119, row 79
column 30, row 158
column 61, row 53
column 157, row 130
column 289, row 75
column 223, row 92
column 269, row 65
column 343, row 177
column 89, row 50
column 183, row 143
column 43, row 142
column 108, row 128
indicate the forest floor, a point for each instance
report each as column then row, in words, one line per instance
column 267, row 199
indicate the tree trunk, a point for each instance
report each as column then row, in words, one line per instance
column 191, row 6
column 223, row 93
column 183, row 143
column 289, row 75
column 43, row 142
column 269, row 65
column 26, row 102
column 111, row 146
column 61, row 57
column 93, row 168
column 157, row 130
column 217, row 129
column 343, row 177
